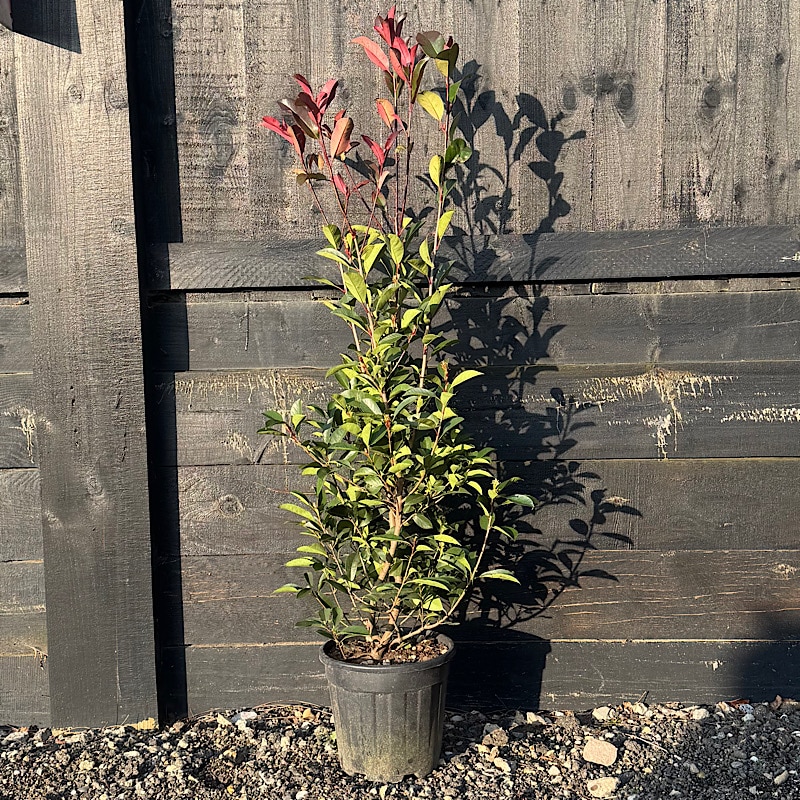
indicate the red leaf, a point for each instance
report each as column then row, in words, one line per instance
column 374, row 53
column 304, row 84
column 402, row 50
column 326, row 94
column 340, row 138
column 386, row 111
column 340, row 185
column 376, row 149
column 398, row 67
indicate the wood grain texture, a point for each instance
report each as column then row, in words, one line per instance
column 628, row 86
column 668, row 595
column 528, row 673
column 736, row 410
column 20, row 422
column 22, row 608
column 15, row 337
column 24, row 690
column 700, row 504
column 701, row 120
column 212, row 119
column 765, row 147
column 12, row 231
column 13, row 273
column 20, row 515
column 81, row 249
column 545, row 258
column 514, row 329
column 556, row 69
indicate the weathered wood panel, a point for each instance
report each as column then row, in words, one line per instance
column 22, row 609
column 24, row 690
column 81, row 256
column 737, row 410
column 699, row 157
column 700, row 504
column 13, row 274
column 15, row 336
column 512, row 673
column 514, row 329
column 668, row 595
column 548, row 257
column 19, row 422
column 20, row 515
column 628, row 88
column 12, row 232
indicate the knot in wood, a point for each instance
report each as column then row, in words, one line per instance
column 230, row 505
column 75, row 93
column 711, row 96
column 569, row 98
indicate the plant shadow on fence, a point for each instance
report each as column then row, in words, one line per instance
column 500, row 330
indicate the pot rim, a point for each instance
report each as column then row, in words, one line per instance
column 409, row 666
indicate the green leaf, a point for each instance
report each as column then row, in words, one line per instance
column 315, row 549
column 435, row 169
column 499, row 574
column 301, row 562
column 356, row 285
column 463, row 376
column 334, row 255
column 396, row 248
column 521, row 500
column 287, row 588
column 436, row 584
column 333, row 235
column 431, row 43
column 458, row 151
column 421, row 521
column 444, row 223
column 409, row 316
column 453, row 91
column 425, row 252
column 369, row 255
column 432, row 103
column 300, row 512
column 446, row 539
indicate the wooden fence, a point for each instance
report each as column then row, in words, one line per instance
column 629, row 285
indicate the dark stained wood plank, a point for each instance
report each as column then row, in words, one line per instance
column 701, row 118
column 736, row 410
column 628, row 142
column 557, row 105
column 548, row 257
column 515, row 329
column 765, row 146
column 81, row 250
column 670, row 595
column 518, row 672
column 20, row 515
column 19, row 422
column 13, row 274
column 24, row 690
column 15, row 336
column 696, row 504
column 22, row 607
column 12, row 232
column 212, row 121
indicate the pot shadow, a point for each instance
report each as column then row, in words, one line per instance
column 500, row 330
column 770, row 666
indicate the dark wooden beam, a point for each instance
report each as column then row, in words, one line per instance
column 518, row 258
column 87, row 364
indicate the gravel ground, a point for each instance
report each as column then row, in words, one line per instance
column 632, row 752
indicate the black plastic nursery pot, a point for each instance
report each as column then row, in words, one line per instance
column 388, row 717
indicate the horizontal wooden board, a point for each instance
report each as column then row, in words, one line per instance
column 20, row 515
column 517, row 672
column 693, row 504
column 18, row 422
column 22, row 607
column 546, row 257
column 24, row 690
column 15, row 337
column 591, row 594
column 509, row 330
column 736, row 410
column 13, row 272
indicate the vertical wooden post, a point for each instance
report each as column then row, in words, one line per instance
column 86, row 328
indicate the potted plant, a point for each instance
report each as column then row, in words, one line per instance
column 403, row 504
